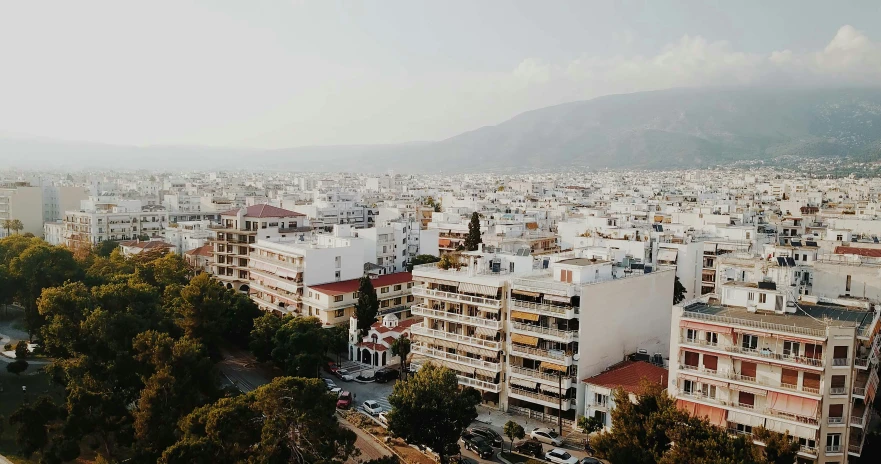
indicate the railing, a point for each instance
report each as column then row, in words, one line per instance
column 840, row 362
column 835, row 420
column 275, row 263
column 543, row 308
column 422, row 330
column 540, row 416
column 424, row 350
column 556, row 355
column 729, row 375
column 542, row 283
column 833, row 449
column 754, row 324
column 768, row 354
column 488, row 386
column 464, row 270
column 567, row 335
column 861, row 362
column 855, row 449
column 837, row 391
column 427, row 292
column 540, row 396
column 420, row 310
column 859, row 419
column 697, row 342
column 808, row 450
column 534, row 373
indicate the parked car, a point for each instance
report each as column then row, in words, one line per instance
column 336, row 391
column 330, row 384
column 344, row 375
column 345, row 400
column 371, row 407
column 331, row 367
column 560, row 456
column 385, row 374
column 490, row 435
column 461, row 460
column 546, row 436
column 590, row 461
column 478, row 445
column 383, row 417
column 532, row 448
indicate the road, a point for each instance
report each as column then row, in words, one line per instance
column 366, row 444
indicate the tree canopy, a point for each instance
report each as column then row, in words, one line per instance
column 473, row 239
column 367, row 305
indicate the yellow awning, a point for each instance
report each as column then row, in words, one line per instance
column 524, row 339
column 524, row 315
column 525, row 293
column 556, row 367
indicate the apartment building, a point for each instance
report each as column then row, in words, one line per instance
column 231, row 240
column 334, row 303
column 187, row 235
column 109, row 217
column 332, row 207
column 19, row 200
column 280, row 269
column 757, row 358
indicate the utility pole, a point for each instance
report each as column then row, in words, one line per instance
column 560, row 401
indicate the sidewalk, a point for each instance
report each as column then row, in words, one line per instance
column 496, row 418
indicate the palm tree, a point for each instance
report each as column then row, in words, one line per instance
column 7, row 224
column 401, row 347
column 16, row 225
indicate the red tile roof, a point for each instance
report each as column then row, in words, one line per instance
column 867, row 252
column 628, row 375
column 264, row 211
column 204, row 250
column 351, row 286
column 372, row 346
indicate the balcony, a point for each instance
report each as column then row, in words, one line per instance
column 275, row 281
column 563, row 312
column 438, row 354
column 425, row 331
column 751, row 324
column 271, row 264
column 751, row 408
column 835, row 420
column 764, row 354
column 479, row 384
column 536, row 374
column 864, row 384
column 546, row 400
column 809, row 450
column 290, row 297
column 565, row 336
column 421, row 310
column 858, row 417
column 542, row 285
column 551, row 355
column 833, row 449
column 841, row 362
column 456, row 297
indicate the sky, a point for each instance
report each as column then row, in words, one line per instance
column 274, row 74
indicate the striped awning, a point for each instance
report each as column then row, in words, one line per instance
column 481, row 351
column 524, row 339
column 531, row 384
column 558, row 298
column 739, row 417
column 525, row 293
column 552, row 366
column 524, row 316
column 754, row 391
column 436, row 281
column 485, row 331
column 550, row 389
column 486, row 290
column 444, row 242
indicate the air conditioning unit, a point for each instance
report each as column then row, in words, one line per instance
column 751, row 308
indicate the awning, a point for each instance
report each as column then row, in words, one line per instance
column 436, row 281
column 524, row 339
column 739, row 417
column 687, row 377
column 550, row 389
column 552, row 366
column 754, row 391
column 486, row 352
column 796, row 405
column 444, row 242
column 787, row 338
column 715, row 382
column 794, row 430
column 525, row 293
column 530, row 384
column 705, row 327
column 558, row 298
column 709, row 247
column 667, row 255
column 716, row 416
column 485, row 290
column 524, row 315
column 485, row 331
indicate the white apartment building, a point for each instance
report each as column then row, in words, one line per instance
column 280, row 269
column 111, row 218
column 756, row 358
column 332, row 207
column 53, row 233
column 188, row 235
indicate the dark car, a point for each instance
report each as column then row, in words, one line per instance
column 385, row 374
column 462, row 460
column 479, row 445
column 490, row 435
column 531, row 448
column 590, row 461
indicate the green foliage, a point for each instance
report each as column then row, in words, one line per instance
column 449, row 261
column 401, row 347
column 367, row 305
column 299, row 346
column 779, row 448
column 589, row 424
column 421, row 259
column 336, row 339
column 33, row 421
column 17, row 367
column 40, row 266
column 513, row 431
column 104, row 248
column 21, row 350
column 678, row 291
column 210, row 312
column 473, row 239
column 263, row 336
column 429, row 409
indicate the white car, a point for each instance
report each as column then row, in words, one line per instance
column 383, row 417
column 336, row 390
column 330, row 384
column 344, row 375
column 371, row 407
column 560, row 456
column 547, row 436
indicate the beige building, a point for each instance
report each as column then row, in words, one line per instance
column 334, row 303
column 18, row 200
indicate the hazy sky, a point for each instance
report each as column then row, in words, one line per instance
column 287, row 73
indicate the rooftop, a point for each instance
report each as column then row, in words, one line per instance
column 581, row 261
column 809, row 319
column 351, row 286
column 628, row 375
column 263, row 211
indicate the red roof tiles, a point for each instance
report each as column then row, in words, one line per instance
column 867, row 252
column 204, row 250
column 628, row 375
column 351, row 286
column 264, row 211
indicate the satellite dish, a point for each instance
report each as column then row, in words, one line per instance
column 575, row 357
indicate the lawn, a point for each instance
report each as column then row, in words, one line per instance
column 37, row 383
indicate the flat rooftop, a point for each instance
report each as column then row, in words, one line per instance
column 813, row 317
column 581, row 261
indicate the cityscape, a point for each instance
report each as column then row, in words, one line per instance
column 659, row 248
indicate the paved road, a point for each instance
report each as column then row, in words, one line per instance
column 369, row 448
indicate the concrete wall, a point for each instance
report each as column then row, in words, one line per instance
column 830, row 280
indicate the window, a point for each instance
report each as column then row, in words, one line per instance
column 691, row 335
column 749, row 342
column 751, row 296
column 763, row 297
column 397, row 288
column 789, row 378
column 262, row 225
column 310, row 294
column 383, row 290
column 709, row 391
column 385, row 303
column 355, row 295
column 839, row 352
column 691, row 358
column 711, row 363
column 338, row 298
column 839, row 237
column 796, row 256
column 833, row 442
column 804, row 257
column 791, row 348
column 847, row 284
column 336, row 275
column 410, row 298
column 600, row 399
column 338, row 261
column 566, row 276
column 409, row 284
column 746, row 399
column 712, row 338
column 745, row 429
column 688, row 386
column 339, row 313
column 601, row 415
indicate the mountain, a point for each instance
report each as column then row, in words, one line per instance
column 660, row 129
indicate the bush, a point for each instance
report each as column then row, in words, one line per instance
column 7, row 347
column 17, row 367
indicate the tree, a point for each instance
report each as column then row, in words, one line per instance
column 262, row 339
column 513, row 431
column 299, row 346
column 779, row 448
column 429, row 409
column 16, row 225
column 449, row 260
column 589, row 425
column 17, row 367
column 37, row 267
column 200, row 307
column 367, row 305
column 421, row 259
column 401, row 347
column 7, row 224
column 33, row 420
column 21, row 350
column 473, row 240
column 337, row 340
column 678, row 291
column 105, row 247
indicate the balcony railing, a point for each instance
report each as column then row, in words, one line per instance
column 862, row 363
column 540, row 396
column 567, row 312
column 476, row 383
column 768, row 354
column 765, row 382
column 754, row 324
column 858, row 418
column 837, row 391
column 550, row 354
column 457, row 297
column 748, row 407
column 567, row 335
column 421, row 310
column 808, row 450
column 835, row 420
column 537, row 374
column 488, row 365
column 422, row 330
column 833, row 449
column 840, row 362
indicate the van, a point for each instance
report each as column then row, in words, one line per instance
column 385, row 374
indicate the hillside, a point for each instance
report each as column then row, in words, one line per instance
column 662, row 129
